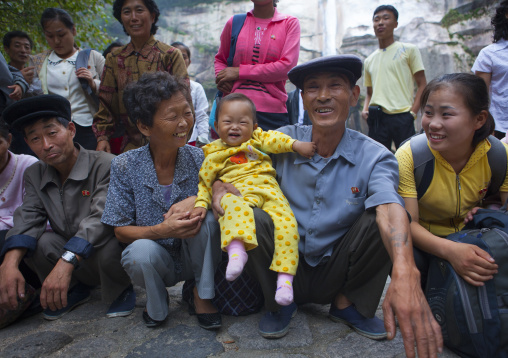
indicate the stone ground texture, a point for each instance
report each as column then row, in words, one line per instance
column 87, row 332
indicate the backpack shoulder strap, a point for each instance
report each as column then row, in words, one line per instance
column 497, row 162
column 82, row 60
column 423, row 160
column 238, row 21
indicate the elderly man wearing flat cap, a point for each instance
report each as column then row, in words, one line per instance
column 68, row 187
column 351, row 220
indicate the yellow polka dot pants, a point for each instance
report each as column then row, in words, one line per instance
column 238, row 221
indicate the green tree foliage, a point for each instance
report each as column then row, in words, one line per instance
column 90, row 17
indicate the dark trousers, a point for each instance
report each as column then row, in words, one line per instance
column 385, row 128
column 30, row 276
column 358, row 267
column 422, row 261
column 103, row 267
column 271, row 121
column 85, row 137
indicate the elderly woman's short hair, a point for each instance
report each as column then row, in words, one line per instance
column 142, row 98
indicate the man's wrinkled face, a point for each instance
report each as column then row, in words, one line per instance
column 327, row 97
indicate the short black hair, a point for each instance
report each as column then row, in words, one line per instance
column 388, row 8
column 240, row 97
column 111, row 47
column 4, row 129
column 181, row 44
column 150, row 5
column 11, row 34
column 142, row 98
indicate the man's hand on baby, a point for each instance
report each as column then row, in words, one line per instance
column 305, row 149
column 201, row 212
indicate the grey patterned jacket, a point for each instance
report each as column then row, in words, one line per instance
column 135, row 197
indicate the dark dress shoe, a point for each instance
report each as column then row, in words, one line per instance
column 205, row 320
column 149, row 322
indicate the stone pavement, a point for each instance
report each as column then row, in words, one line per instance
column 87, row 332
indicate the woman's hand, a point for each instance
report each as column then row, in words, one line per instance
column 229, row 74
column 469, row 215
column 199, row 212
column 179, row 225
column 225, row 87
column 473, row 264
column 87, row 75
column 184, row 206
column 219, row 189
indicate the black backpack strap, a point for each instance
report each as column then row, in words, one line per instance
column 497, row 162
column 423, row 160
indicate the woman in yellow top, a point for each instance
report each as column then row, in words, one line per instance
column 457, row 124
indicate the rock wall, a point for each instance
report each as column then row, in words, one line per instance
column 449, row 33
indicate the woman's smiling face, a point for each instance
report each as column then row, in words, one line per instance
column 448, row 122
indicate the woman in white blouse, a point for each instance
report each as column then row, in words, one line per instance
column 58, row 73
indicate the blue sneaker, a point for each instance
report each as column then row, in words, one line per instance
column 372, row 328
column 124, row 304
column 276, row 324
column 78, row 295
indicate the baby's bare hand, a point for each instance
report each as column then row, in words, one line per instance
column 305, row 149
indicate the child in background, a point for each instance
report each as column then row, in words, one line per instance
column 239, row 158
column 201, row 129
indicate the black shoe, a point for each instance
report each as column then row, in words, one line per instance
column 149, row 322
column 205, row 320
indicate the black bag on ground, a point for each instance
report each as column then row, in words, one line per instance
column 240, row 297
column 474, row 320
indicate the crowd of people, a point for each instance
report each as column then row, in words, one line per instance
column 122, row 192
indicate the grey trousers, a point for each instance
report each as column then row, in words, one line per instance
column 357, row 268
column 150, row 266
column 101, row 268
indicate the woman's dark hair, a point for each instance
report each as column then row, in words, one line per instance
column 236, row 97
column 111, row 47
column 182, row 45
column 4, row 129
column 55, row 14
column 500, row 22
column 275, row 3
column 12, row 34
column 142, row 98
column 150, row 5
column 475, row 94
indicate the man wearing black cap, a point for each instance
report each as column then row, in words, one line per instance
column 68, row 187
column 350, row 219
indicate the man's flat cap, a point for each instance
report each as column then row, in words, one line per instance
column 27, row 110
column 349, row 65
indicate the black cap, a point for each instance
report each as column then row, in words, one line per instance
column 349, row 65
column 20, row 113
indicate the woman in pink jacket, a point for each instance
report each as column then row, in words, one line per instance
column 268, row 47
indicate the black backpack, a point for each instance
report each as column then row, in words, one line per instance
column 474, row 320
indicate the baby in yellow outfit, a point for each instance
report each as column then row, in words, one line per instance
column 239, row 158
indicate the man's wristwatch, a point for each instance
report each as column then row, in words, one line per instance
column 71, row 258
